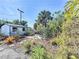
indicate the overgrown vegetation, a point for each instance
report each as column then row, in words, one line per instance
column 69, row 36
column 39, row 52
column 36, row 50
column 29, row 31
column 63, row 27
column 48, row 25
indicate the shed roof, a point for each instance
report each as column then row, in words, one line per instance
column 14, row 25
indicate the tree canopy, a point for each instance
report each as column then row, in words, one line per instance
column 44, row 17
column 48, row 24
column 22, row 22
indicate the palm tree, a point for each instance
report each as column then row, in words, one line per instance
column 43, row 17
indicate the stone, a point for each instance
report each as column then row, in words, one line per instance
column 11, row 54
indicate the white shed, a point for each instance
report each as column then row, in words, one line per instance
column 12, row 29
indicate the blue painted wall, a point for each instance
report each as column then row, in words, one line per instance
column 7, row 30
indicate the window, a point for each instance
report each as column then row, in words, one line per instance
column 23, row 29
column 14, row 29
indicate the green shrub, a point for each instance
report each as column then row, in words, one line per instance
column 27, row 46
column 73, row 57
column 51, row 30
column 1, row 43
column 47, row 33
column 1, row 34
column 29, row 31
column 39, row 52
column 40, row 28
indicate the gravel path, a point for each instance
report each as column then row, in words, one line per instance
column 14, row 51
column 8, row 52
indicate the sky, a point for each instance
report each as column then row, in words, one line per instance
column 31, row 8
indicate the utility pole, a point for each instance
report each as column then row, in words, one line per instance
column 20, row 14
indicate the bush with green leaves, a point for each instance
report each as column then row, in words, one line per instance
column 72, row 57
column 1, row 34
column 29, row 31
column 40, row 28
column 39, row 52
column 1, row 43
column 47, row 26
column 47, row 33
column 27, row 46
column 51, row 30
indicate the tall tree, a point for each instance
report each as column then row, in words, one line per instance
column 44, row 17
column 35, row 26
column 59, row 17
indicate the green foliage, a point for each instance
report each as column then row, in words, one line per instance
column 71, row 9
column 2, row 22
column 39, row 52
column 68, row 38
column 35, row 26
column 40, row 28
column 1, row 34
column 72, row 57
column 44, row 17
column 53, row 26
column 1, row 43
column 27, row 46
column 50, row 30
column 29, row 31
column 18, row 22
column 48, row 25
column 46, row 32
column 69, row 16
column 23, row 22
